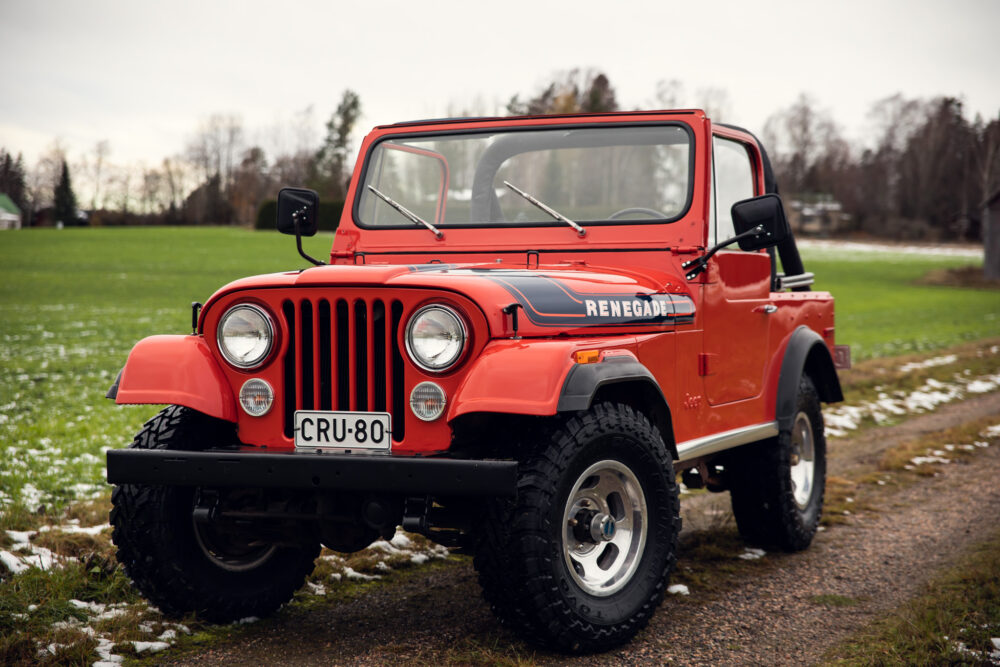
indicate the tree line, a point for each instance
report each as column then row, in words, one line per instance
column 220, row 178
column 924, row 174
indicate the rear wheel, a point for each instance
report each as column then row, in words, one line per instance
column 580, row 560
column 777, row 485
column 183, row 565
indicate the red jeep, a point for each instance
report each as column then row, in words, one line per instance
column 525, row 327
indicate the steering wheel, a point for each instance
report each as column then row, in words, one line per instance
column 636, row 209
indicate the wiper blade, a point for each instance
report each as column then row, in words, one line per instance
column 555, row 214
column 407, row 213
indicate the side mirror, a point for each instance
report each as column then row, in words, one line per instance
column 765, row 212
column 298, row 211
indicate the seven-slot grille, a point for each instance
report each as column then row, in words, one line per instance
column 343, row 354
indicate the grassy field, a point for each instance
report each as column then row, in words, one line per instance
column 73, row 302
column 882, row 312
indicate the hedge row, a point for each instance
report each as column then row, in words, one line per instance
column 329, row 215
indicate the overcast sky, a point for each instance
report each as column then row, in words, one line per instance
column 143, row 75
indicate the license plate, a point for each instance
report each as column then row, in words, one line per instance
column 342, row 430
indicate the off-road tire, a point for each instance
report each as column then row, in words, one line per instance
column 523, row 567
column 762, row 488
column 157, row 545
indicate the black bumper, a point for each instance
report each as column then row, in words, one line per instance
column 393, row 474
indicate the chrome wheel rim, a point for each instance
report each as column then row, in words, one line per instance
column 605, row 525
column 803, row 460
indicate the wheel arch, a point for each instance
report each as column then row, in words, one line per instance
column 175, row 370
column 619, row 380
column 805, row 354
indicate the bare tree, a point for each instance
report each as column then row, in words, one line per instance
column 715, row 102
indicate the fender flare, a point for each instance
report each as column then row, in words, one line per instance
column 806, row 353
column 175, row 370
column 623, row 379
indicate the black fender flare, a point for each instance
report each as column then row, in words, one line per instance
column 622, row 379
column 808, row 354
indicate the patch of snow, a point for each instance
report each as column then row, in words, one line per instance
column 926, row 398
column 929, row 363
column 336, row 576
column 921, row 460
column 401, row 541
column 852, row 247
column 168, row 635
column 990, row 432
column 383, row 566
column 678, row 589
column 316, row 589
column 247, row 620
column 751, row 553
column 983, row 385
column 152, row 647
column 108, row 659
column 351, row 573
column 389, row 547
column 12, row 562
column 74, row 529
column 20, row 536
column 419, row 559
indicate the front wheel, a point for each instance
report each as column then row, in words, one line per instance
column 580, row 561
column 777, row 485
column 183, row 565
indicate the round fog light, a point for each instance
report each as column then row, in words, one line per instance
column 256, row 397
column 427, row 400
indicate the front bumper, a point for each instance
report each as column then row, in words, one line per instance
column 294, row 470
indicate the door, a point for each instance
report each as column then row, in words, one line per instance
column 737, row 294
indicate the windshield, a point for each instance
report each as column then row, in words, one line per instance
column 596, row 175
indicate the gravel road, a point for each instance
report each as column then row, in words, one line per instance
column 881, row 558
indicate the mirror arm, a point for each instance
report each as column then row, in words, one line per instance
column 298, row 239
column 699, row 264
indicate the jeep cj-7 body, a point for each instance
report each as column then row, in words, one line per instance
column 525, row 326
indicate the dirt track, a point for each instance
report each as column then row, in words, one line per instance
column 879, row 560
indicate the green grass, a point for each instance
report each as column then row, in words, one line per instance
column 951, row 623
column 882, row 312
column 72, row 304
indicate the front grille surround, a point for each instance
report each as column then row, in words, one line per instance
column 343, row 354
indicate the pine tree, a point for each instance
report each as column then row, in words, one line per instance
column 65, row 200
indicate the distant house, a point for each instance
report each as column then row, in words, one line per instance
column 10, row 214
column 817, row 215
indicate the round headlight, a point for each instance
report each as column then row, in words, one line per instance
column 245, row 336
column 435, row 338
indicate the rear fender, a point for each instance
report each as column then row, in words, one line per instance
column 806, row 353
column 175, row 370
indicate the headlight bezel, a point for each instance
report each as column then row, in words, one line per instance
column 462, row 325
column 269, row 327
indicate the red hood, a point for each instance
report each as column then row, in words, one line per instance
column 552, row 299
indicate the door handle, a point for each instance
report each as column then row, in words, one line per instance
column 767, row 310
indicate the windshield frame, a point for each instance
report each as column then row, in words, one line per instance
column 510, row 129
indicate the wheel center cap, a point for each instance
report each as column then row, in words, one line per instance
column 602, row 528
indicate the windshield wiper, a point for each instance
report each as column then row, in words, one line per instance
column 407, row 213
column 555, row 214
